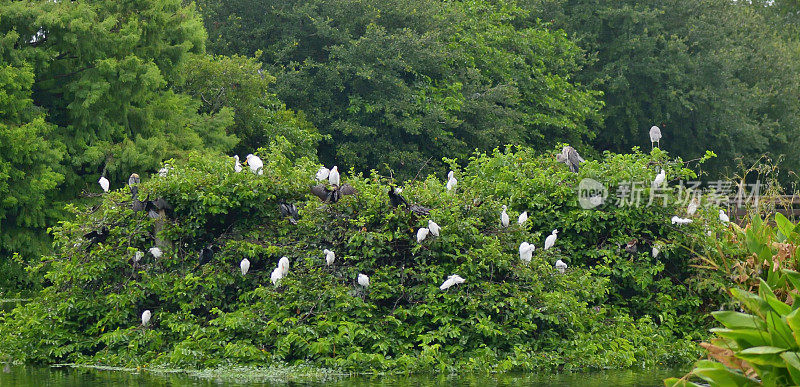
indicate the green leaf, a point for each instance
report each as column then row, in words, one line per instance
column 675, row 382
column 719, row 375
column 792, row 360
column 745, row 337
column 763, row 355
column 731, row 319
column 752, row 302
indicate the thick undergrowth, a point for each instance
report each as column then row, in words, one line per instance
column 611, row 308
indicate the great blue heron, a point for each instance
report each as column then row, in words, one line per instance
column 655, row 136
column 255, row 164
column 454, row 279
column 570, row 157
column 550, row 240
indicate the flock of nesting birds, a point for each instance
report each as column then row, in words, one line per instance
column 333, row 191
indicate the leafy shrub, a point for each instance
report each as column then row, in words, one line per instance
column 611, row 308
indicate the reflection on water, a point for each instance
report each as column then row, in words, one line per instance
column 29, row 376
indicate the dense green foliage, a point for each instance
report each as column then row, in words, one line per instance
column 404, row 83
column 713, row 74
column 759, row 346
column 107, row 88
column 612, row 308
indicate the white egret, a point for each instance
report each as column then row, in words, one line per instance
column 422, row 233
column 323, row 173
column 138, row 256
column 146, row 317
column 526, row 252
column 163, row 172
column 561, row 266
column 523, row 217
column 255, row 163
column 276, row 276
column 655, row 136
column 680, row 221
column 245, row 266
column 434, row 228
column 329, row 257
column 656, row 251
column 333, row 176
column 451, row 183
column 450, row 175
column 237, row 165
column 570, row 157
column 454, row 279
column 156, row 252
column 504, row 217
column 363, row 280
column 723, row 216
column 660, row 178
column 692, row 207
column 283, row 264
column 550, row 240
column 104, row 184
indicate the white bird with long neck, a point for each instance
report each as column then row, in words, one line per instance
column 504, row 220
column 155, row 252
column 237, row 165
column 138, row 256
column 660, row 178
column 550, row 240
column 329, row 257
column 255, row 163
column 323, row 173
column 276, row 276
column 523, row 217
column 526, row 252
column 333, row 176
column 283, row 264
column 723, row 216
column 692, row 207
column 422, row 233
column 363, row 280
column 104, row 184
column 561, row 266
column 244, row 266
column 434, row 228
column 454, row 279
column 146, row 317
column 451, row 181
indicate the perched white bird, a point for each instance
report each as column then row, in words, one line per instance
column 434, row 228
column 163, row 171
column 422, row 233
column 523, row 217
column 156, row 252
column 237, row 165
column 655, row 135
column 283, row 264
column 329, row 257
column 146, row 317
column 255, row 163
column 561, row 266
column 454, row 279
column 333, row 176
column 103, row 183
column 450, row 175
column 656, row 251
column 680, row 221
column 323, row 173
column 660, row 178
column 245, row 266
column 550, row 240
column 526, row 251
column 692, row 207
column 504, row 217
column 451, row 183
column 138, row 256
column 276, row 276
column 363, row 280
column 723, row 216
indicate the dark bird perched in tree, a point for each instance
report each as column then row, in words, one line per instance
column 133, row 184
column 570, row 157
column 206, row 254
column 332, row 195
column 156, row 208
column 288, row 210
column 96, row 236
column 396, row 200
column 631, row 246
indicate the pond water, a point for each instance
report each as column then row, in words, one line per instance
column 26, row 376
